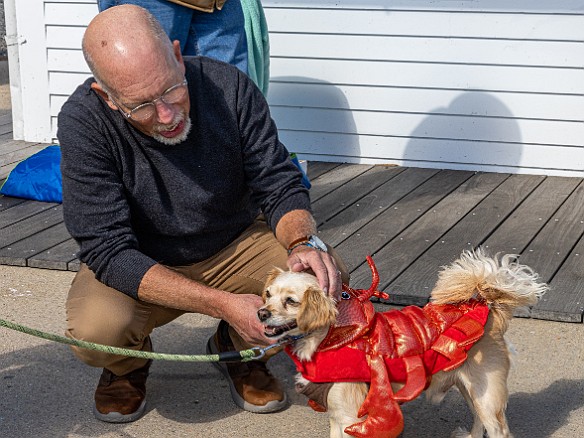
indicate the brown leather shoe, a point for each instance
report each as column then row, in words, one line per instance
column 252, row 386
column 121, row 399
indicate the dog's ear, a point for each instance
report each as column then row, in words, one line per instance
column 272, row 275
column 317, row 310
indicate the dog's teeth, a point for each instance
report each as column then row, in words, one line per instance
column 271, row 331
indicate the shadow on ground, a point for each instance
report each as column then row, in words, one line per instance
column 533, row 415
column 45, row 388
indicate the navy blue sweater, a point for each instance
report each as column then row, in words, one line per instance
column 131, row 201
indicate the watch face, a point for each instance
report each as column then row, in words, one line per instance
column 319, row 244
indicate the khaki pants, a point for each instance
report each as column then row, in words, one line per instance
column 100, row 314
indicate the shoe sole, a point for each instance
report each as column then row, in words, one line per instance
column 273, row 406
column 116, row 417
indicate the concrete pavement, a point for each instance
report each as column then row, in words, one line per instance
column 46, row 392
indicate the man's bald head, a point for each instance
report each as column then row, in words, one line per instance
column 124, row 42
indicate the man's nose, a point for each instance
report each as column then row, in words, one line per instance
column 165, row 112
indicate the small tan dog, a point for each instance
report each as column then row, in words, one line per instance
column 295, row 305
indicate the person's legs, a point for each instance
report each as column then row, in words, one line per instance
column 100, row 314
column 219, row 35
column 97, row 313
column 174, row 19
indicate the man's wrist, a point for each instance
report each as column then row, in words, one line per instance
column 311, row 241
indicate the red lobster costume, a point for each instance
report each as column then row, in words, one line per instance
column 407, row 346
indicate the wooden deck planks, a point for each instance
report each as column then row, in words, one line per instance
column 8, row 202
column 398, row 254
column 337, row 200
column 520, row 228
column 417, row 281
column 10, row 158
column 22, row 210
column 60, row 257
column 13, row 151
column 565, row 300
column 31, row 225
column 385, row 227
column 372, row 205
column 318, row 168
column 411, row 220
column 553, row 244
column 553, row 254
column 334, row 178
column 18, row 253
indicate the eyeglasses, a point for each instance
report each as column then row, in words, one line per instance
column 145, row 111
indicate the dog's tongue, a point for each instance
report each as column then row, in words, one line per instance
column 272, row 331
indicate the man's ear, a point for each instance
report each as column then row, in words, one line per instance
column 178, row 55
column 316, row 311
column 100, row 91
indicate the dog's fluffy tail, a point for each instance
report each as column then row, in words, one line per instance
column 502, row 282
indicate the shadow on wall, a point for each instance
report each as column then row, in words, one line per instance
column 313, row 118
column 475, row 129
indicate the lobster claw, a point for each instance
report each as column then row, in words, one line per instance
column 384, row 416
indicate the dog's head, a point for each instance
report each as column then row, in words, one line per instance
column 295, row 304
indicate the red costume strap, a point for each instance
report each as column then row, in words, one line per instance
column 416, row 381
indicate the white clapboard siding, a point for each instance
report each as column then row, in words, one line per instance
column 431, row 75
column 435, row 153
column 556, row 54
column 492, row 85
column 64, row 37
column 292, row 92
column 490, row 6
column 66, row 21
column 484, row 85
column 444, row 126
column 428, row 21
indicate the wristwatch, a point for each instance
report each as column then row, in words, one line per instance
column 311, row 241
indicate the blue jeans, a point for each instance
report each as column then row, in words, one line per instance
column 219, row 35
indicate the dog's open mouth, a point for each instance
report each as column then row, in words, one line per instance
column 276, row 330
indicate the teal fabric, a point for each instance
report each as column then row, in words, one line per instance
column 258, row 44
column 38, row 177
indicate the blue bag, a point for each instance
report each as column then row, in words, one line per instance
column 38, row 177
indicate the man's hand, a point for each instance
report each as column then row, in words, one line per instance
column 165, row 287
column 295, row 225
column 243, row 318
column 304, row 258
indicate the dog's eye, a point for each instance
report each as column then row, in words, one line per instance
column 291, row 301
column 268, row 294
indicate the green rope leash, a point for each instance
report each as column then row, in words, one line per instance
column 229, row 356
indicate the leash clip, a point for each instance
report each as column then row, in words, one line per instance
column 260, row 352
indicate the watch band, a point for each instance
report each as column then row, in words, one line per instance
column 305, row 243
column 295, row 243
column 311, row 241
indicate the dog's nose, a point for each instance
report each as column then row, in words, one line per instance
column 263, row 314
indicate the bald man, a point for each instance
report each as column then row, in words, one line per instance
column 182, row 199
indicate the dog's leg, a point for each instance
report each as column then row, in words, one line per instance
column 344, row 400
column 482, row 380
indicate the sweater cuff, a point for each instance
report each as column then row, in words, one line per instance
column 297, row 201
column 126, row 270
